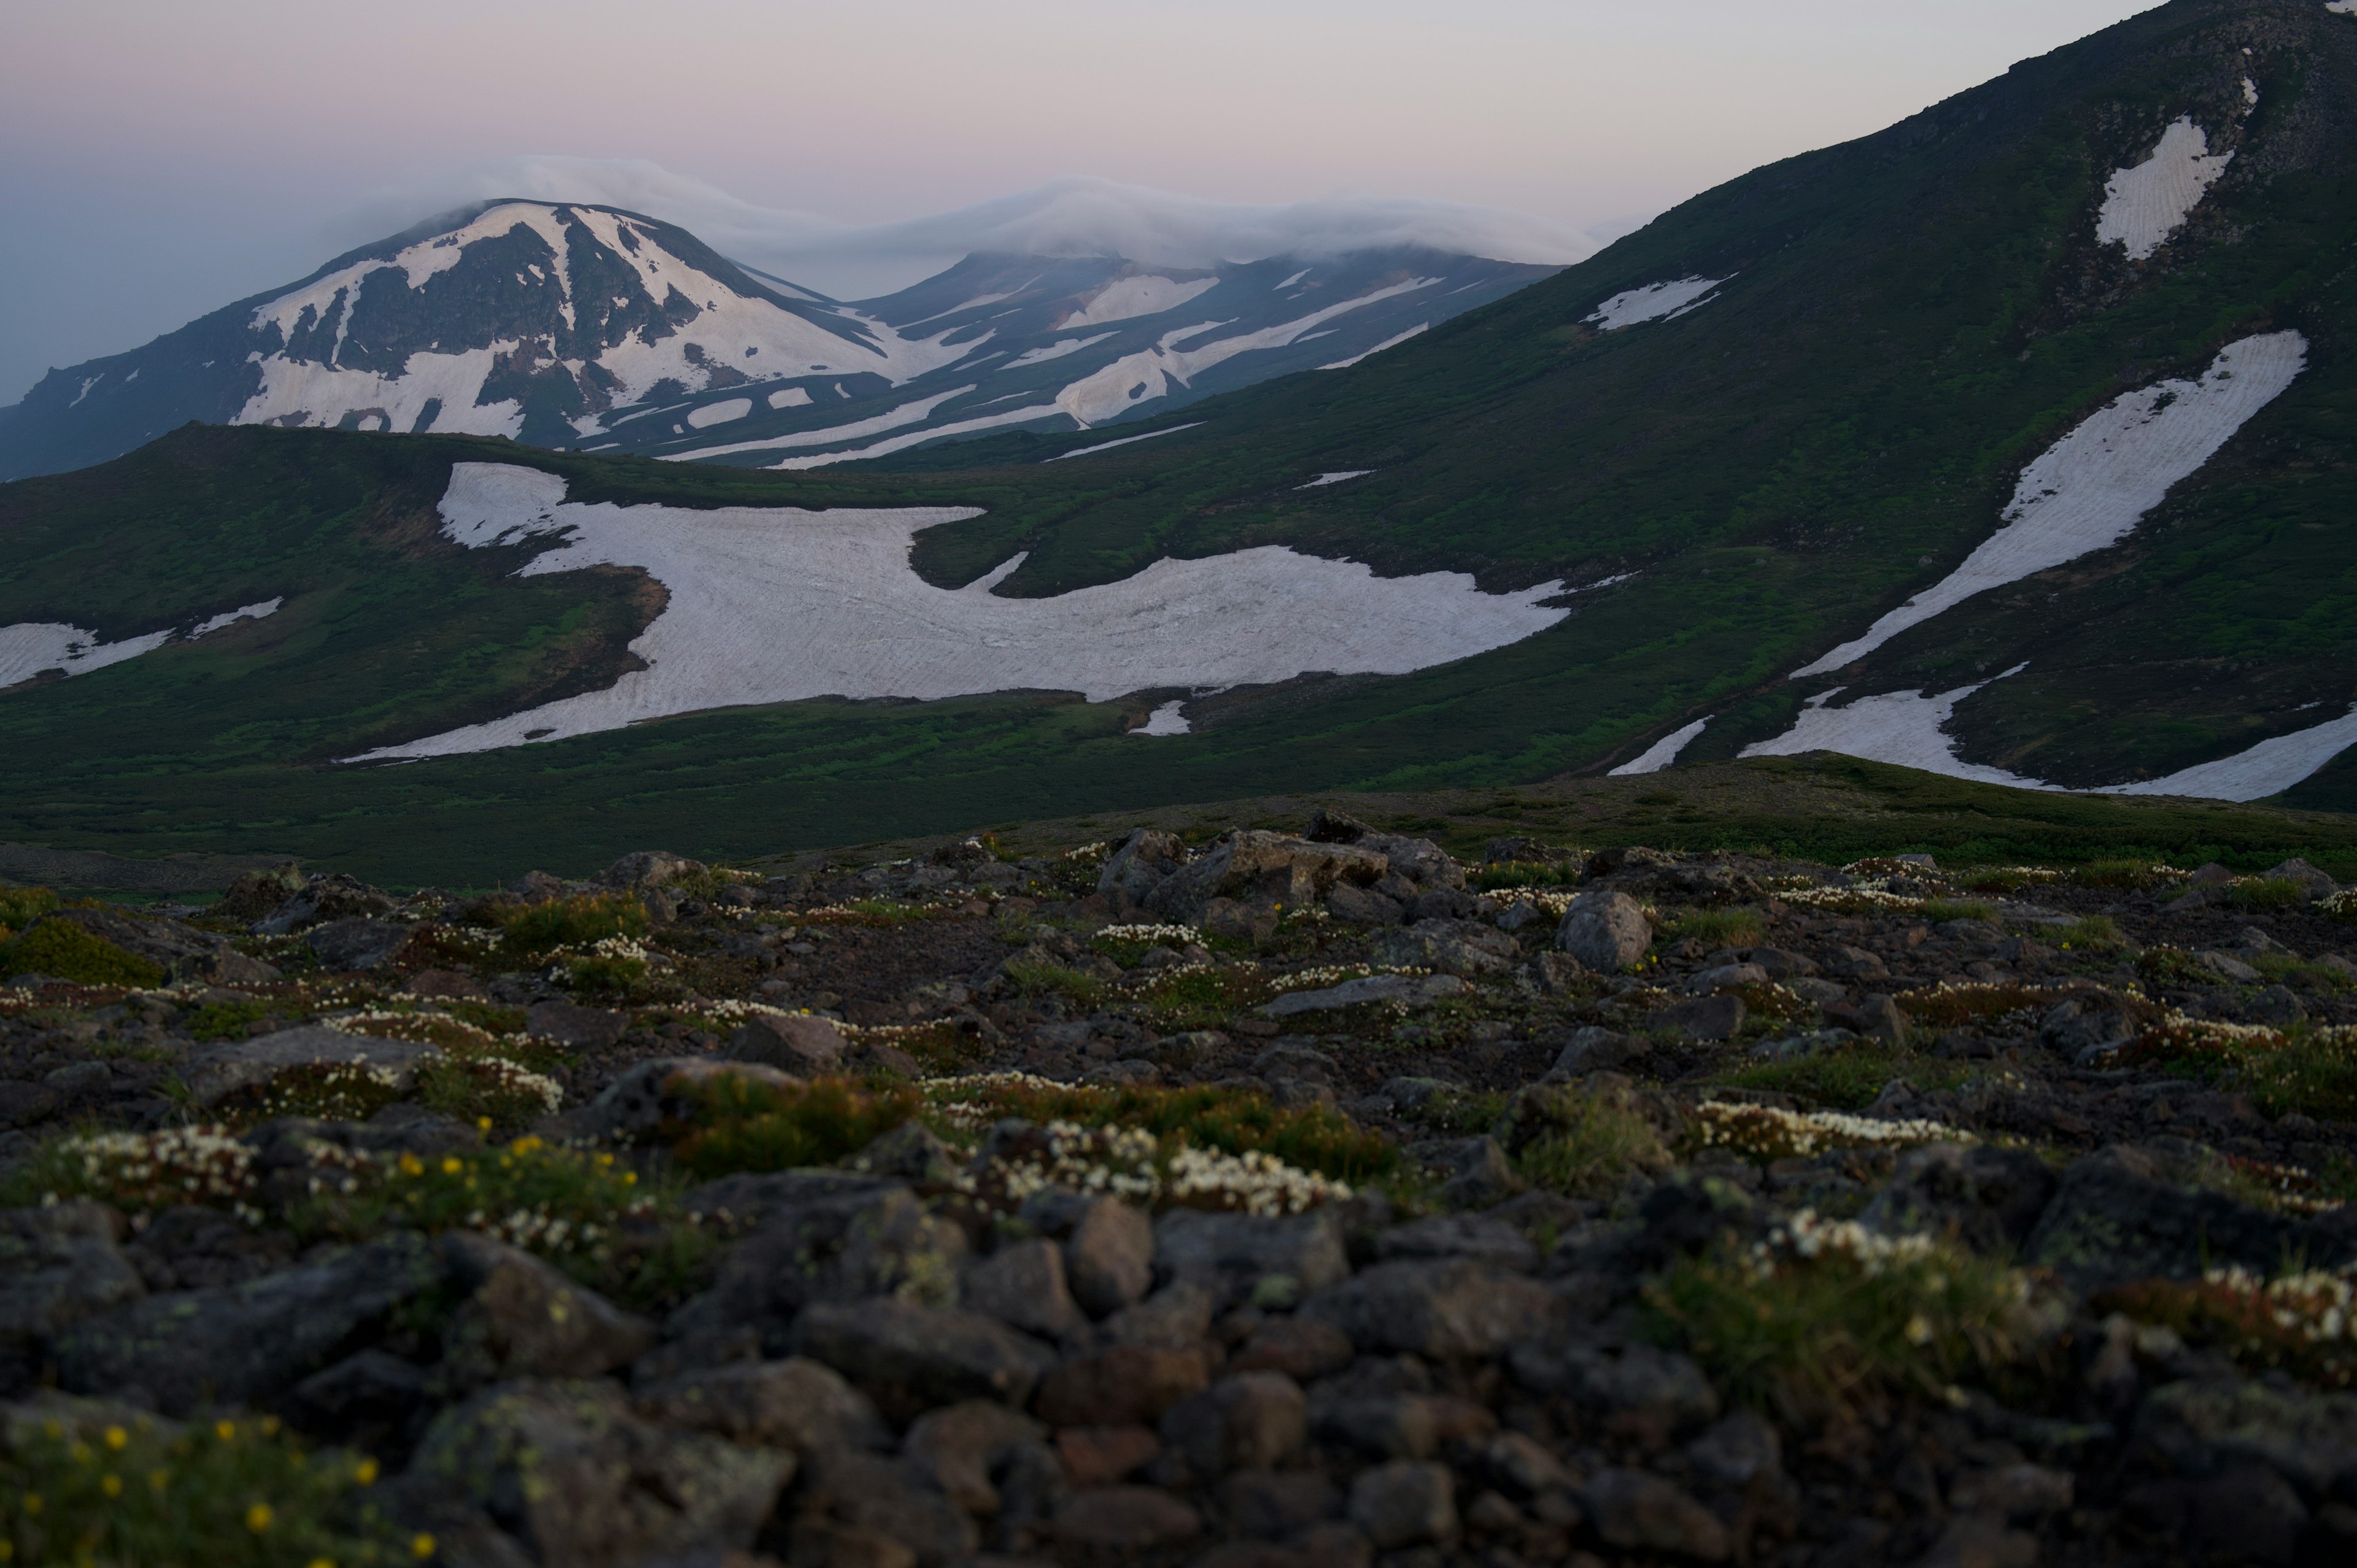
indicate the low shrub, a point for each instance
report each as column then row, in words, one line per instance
column 1822, row 1317
column 1311, row 1138
column 1952, row 1005
column 2005, row 878
column 2266, row 893
column 64, row 950
column 2090, row 933
column 159, row 1494
column 573, row 922
column 1937, row 911
column 737, row 1125
column 1198, row 996
column 1126, row 944
column 140, row 1173
column 1762, row 1133
column 21, row 907
column 1055, row 980
column 1509, row 873
column 1733, row 928
column 1584, row 1145
column 2303, row 1324
column 1847, row 1078
column 2131, row 873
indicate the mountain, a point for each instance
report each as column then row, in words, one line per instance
column 2012, row 443
column 576, row 325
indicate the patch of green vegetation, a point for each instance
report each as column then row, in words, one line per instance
column 738, row 1124
column 1860, row 1319
column 614, row 977
column 2131, row 873
column 2089, row 933
column 1461, row 1113
column 1503, row 874
column 1203, row 998
column 1848, row 1078
column 2266, row 893
column 1056, row 979
column 21, row 907
column 1938, row 909
column 61, row 949
column 1583, row 1144
column 2284, row 1326
column 1312, row 1138
column 330, row 1092
column 531, row 930
column 1731, row 928
column 239, row 1493
column 232, row 1020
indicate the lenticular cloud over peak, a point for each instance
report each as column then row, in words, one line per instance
column 1075, row 217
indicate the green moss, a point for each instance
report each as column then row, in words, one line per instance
column 576, row 922
column 1055, row 980
column 64, row 950
column 737, row 1124
column 1716, row 927
column 1586, row 1144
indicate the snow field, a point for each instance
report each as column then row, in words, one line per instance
column 2145, row 205
column 1124, row 441
column 1335, row 477
column 912, row 413
column 2088, row 490
column 1056, row 350
column 1655, row 302
column 780, row 605
column 1908, row 728
column 28, row 648
column 1166, row 720
column 1663, row 752
column 790, row 397
column 303, row 392
column 901, row 443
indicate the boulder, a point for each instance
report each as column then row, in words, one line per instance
column 248, row 1343
column 1453, row 1309
column 570, row 1023
column 328, row 898
column 58, row 1266
column 791, row 1042
column 1246, row 1420
column 648, row 869
column 1303, row 1349
column 1607, row 931
column 958, row 1447
column 1122, row 1385
column 521, row 1318
column 1461, row 947
column 874, row 1511
column 1638, row 1389
column 1109, row 1258
column 1988, row 1198
column 358, row 944
column 1637, row 1511
column 2115, row 1218
column 1257, row 867
column 1138, row 865
column 1228, row 1254
column 1126, row 1519
column 568, row 1469
column 910, row 1358
column 794, row 1404
column 1409, row 991
column 214, row 1074
column 642, row 1098
column 1023, row 1285
column 1405, row 1503
column 1270, row 1504
column 1715, row 1017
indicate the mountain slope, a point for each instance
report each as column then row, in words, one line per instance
column 566, row 325
column 1727, row 447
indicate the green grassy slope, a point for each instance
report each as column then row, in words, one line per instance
column 1909, row 319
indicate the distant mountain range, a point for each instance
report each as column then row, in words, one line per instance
column 591, row 327
column 2013, row 443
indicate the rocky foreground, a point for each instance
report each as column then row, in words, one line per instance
column 1278, row 1202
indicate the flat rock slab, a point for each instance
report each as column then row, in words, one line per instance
column 244, row 1064
column 1415, row 990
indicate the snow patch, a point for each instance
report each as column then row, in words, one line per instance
column 2145, row 205
column 1056, row 350
column 1142, row 377
column 2341, row 8
column 713, row 414
column 1291, row 281
column 1335, row 477
column 2250, row 94
column 780, row 605
column 2088, row 490
column 88, row 383
column 1655, row 302
column 303, row 392
column 1663, row 752
column 790, row 397
column 29, row 647
column 900, row 443
column 913, row 412
column 1165, row 720
column 1908, row 728
column 258, row 611
column 997, row 575
column 1124, row 441
column 1387, row 343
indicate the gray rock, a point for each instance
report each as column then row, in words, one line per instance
column 1726, row 977
column 1779, row 965
column 1288, row 1061
column 1717, row 1017
column 1636, row 1385
column 1408, row 990
column 1022, row 1285
column 524, row 1319
column 648, row 869
column 1123, row 1384
column 2276, row 1004
column 957, row 1447
column 58, row 1266
column 1595, row 1050
column 642, row 1098
column 1446, row 1310
column 1178, row 1315
column 1125, row 1519
column 2022, row 1494
column 1140, row 863
column 1604, row 930
column 358, row 944
column 1405, row 1503
column 876, row 1503
column 1270, row 1504
column 247, row 1343
column 794, row 1404
column 1258, row 867
column 2228, row 967
column 1989, row 1198
column 1355, row 906
column 1638, row 1511
column 2204, row 1425
column 1473, row 1237
column 1737, row 1450
column 215, row 1074
column 1461, row 947
column 1821, row 992
column 2085, row 1028
column 1481, row 1176
column 1248, row 1420
column 1109, row 1258
column 840, row 1240
column 2116, row 1217
column 909, row 1357
column 1231, row 1253
column 567, row 1468
column 913, row 1152
column 1976, row 1540
column 1554, row 973
column 792, row 1043
column 1521, row 1462
column 2315, row 883
column 572, row 1025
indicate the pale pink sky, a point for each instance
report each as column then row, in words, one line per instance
column 158, row 159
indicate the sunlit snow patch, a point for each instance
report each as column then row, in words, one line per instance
column 2341, row 8
column 1335, row 477
column 1663, row 752
column 2145, row 205
column 1908, row 728
column 1128, row 298
column 713, row 414
column 1387, row 343
column 778, row 605
column 2088, row 490
column 1056, row 350
column 1655, row 302
column 1124, row 441
column 29, row 647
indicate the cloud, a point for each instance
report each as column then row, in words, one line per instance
column 1078, row 216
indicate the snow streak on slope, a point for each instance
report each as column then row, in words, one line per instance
column 1140, row 378
column 1655, row 302
column 1387, row 343
column 1663, row 752
column 1908, row 728
column 1131, row 297
column 913, row 412
column 1056, row 350
column 1124, row 441
column 2088, row 490
column 29, row 647
column 2145, row 205
column 301, row 391
column 778, row 605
